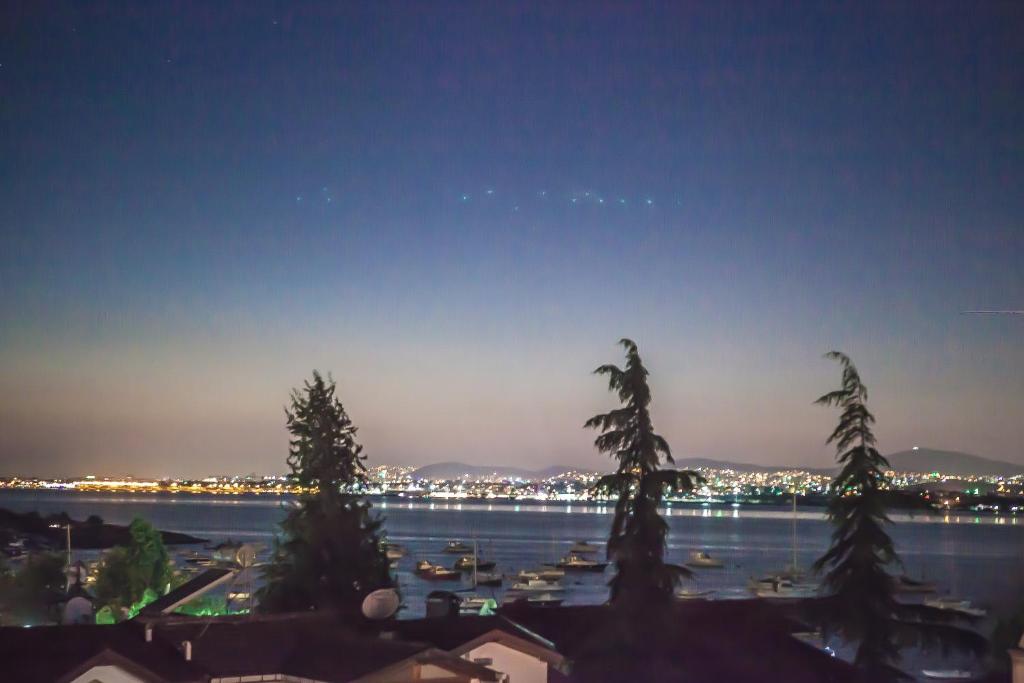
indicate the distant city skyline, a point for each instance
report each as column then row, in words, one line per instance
column 458, row 210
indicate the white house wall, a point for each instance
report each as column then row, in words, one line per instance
column 107, row 674
column 520, row 667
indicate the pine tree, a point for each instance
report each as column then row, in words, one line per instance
column 330, row 555
column 637, row 540
column 861, row 605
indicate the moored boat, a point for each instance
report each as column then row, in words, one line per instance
column 457, row 548
column 393, row 551
column 467, row 562
column 584, row 548
column 536, row 586
column 475, row 604
column 701, row 559
column 690, row 594
column 946, row 674
column 775, row 587
column 548, row 574
column 435, row 572
column 955, row 605
column 580, row 564
column 489, row 578
column 542, row 600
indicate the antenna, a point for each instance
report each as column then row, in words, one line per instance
column 381, row 604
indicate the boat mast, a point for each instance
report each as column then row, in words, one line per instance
column 794, row 532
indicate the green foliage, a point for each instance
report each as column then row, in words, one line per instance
column 127, row 574
column 637, row 540
column 31, row 595
column 329, row 555
column 862, row 605
column 208, row 606
column 105, row 616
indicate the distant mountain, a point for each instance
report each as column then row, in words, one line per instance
column 920, row 460
column 460, row 470
column 951, row 462
column 694, row 463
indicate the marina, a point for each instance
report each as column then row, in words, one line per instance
column 971, row 558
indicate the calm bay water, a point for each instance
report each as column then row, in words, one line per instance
column 976, row 557
column 980, row 558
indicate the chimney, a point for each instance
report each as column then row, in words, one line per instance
column 187, row 645
column 149, row 633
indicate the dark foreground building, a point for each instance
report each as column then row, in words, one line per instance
column 699, row 642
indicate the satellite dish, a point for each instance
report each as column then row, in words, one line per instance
column 78, row 610
column 381, row 604
column 246, row 555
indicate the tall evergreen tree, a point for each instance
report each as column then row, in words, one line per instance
column 637, row 540
column 330, row 555
column 862, row 606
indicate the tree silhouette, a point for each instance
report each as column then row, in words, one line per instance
column 330, row 554
column 637, row 540
column 861, row 605
column 135, row 573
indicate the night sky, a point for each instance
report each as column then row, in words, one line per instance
column 459, row 208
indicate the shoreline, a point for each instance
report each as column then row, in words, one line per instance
column 778, row 509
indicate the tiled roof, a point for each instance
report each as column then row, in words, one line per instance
column 45, row 654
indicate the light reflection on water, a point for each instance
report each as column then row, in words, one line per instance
column 48, row 499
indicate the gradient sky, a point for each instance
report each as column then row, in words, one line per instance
column 459, row 208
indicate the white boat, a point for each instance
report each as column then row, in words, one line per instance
column 703, row 560
column 690, row 594
column 488, row 578
column 543, row 600
column 537, row 585
column 458, row 548
column 955, row 605
column 393, row 551
column 581, row 564
column 468, row 563
column 473, row 604
column 435, row 572
column 544, row 574
column 946, row 674
column 775, row 587
column 584, row 548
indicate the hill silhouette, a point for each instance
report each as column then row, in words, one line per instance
column 951, row 462
column 461, row 470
